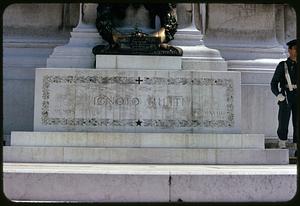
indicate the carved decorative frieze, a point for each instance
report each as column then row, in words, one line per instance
column 200, row 116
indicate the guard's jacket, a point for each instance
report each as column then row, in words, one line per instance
column 289, row 104
column 279, row 77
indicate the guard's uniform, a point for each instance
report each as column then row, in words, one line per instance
column 289, row 104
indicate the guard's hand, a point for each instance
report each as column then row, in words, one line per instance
column 280, row 97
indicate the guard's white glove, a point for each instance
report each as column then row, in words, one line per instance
column 280, row 97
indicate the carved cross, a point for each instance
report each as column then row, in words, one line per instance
column 139, row 80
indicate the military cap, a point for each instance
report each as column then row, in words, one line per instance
column 292, row 43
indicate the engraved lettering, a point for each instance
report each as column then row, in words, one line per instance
column 119, row 101
column 135, row 101
column 105, row 100
column 165, row 102
column 212, row 105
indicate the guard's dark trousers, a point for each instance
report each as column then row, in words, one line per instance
column 287, row 107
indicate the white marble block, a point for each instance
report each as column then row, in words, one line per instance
column 137, row 62
column 108, row 155
column 138, row 140
column 149, row 183
column 137, row 101
column 140, row 148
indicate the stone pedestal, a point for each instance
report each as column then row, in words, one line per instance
column 137, row 100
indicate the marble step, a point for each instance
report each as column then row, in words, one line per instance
column 173, row 140
column 144, row 155
column 148, row 183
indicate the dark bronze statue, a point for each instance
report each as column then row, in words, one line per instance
column 137, row 42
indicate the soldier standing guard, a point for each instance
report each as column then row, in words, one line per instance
column 286, row 76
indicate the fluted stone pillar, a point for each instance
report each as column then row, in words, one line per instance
column 290, row 22
column 250, row 36
column 78, row 52
column 196, row 56
column 243, row 31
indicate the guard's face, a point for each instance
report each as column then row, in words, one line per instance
column 293, row 52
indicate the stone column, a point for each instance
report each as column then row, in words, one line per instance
column 243, row 31
column 289, row 23
column 251, row 37
column 188, row 37
column 285, row 18
column 78, row 52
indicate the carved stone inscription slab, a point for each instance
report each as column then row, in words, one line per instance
column 145, row 101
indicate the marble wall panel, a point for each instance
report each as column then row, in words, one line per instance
column 144, row 101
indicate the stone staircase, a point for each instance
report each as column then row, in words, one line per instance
column 148, row 183
column 272, row 143
column 141, row 148
column 145, row 167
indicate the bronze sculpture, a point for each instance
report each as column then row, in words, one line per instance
column 137, row 41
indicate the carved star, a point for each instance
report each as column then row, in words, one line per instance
column 139, row 123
